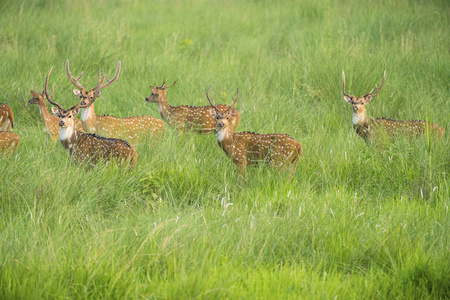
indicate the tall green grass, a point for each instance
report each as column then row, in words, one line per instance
column 353, row 222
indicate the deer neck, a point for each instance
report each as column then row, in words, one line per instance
column 165, row 110
column 225, row 139
column 88, row 117
column 45, row 114
column 68, row 137
column 360, row 117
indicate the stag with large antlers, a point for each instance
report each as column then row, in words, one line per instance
column 373, row 129
column 129, row 128
column 51, row 122
column 249, row 148
column 88, row 147
column 6, row 117
column 195, row 118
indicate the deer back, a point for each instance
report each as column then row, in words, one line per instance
column 199, row 118
column 248, row 148
column 93, row 148
column 131, row 129
column 407, row 128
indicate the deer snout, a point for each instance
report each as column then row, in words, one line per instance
column 151, row 99
column 62, row 124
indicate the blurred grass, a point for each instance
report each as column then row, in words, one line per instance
column 353, row 222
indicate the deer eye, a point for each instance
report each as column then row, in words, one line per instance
column 217, row 117
column 91, row 97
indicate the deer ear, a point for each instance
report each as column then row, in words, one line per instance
column 212, row 112
column 75, row 111
column 348, row 99
column 77, row 93
column 55, row 111
column 35, row 95
column 367, row 99
column 233, row 112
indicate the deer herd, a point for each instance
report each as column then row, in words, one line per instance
column 97, row 138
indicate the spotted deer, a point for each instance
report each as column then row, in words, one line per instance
column 6, row 117
column 373, row 129
column 195, row 118
column 51, row 122
column 88, row 147
column 129, row 128
column 9, row 142
column 249, row 148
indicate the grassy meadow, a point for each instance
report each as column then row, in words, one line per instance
column 353, row 222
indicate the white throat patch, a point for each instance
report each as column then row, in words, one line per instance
column 85, row 113
column 221, row 135
column 65, row 133
column 357, row 118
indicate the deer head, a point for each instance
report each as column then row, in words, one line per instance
column 66, row 117
column 358, row 103
column 38, row 98
column 222, row 117
column 158, row 92
column 88, row 97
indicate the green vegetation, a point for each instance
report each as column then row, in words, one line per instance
column 353, row 222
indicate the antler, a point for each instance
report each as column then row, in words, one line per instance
column 163, row 86
column 210, row 101
column 235, row 100
column 97, row 88
column 378, row 88
column 46, row 93
column 45, row 90
column 343, row 78
column 72, row 79
column 171, row 84
column 213, row 105
column 112, row 80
